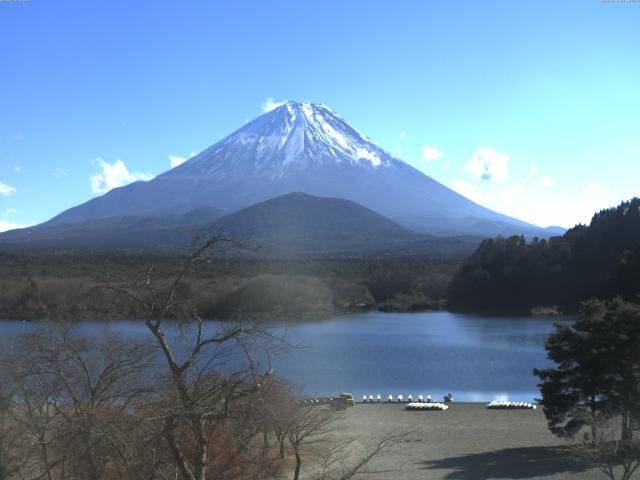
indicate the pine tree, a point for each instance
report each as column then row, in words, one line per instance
column 598, row 369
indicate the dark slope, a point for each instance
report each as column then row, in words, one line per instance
column 128, row 232
column 301, row 216
column 293, row 225
column 298, row 223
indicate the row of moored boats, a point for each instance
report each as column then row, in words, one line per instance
column 427, row 406
column 398, row 399
column 504, row 405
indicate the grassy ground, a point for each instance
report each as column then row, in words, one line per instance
column 466, row 442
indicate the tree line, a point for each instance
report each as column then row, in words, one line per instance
column 601, row 260
column 63, row 286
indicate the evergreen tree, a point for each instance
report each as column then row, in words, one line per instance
column 598, row 369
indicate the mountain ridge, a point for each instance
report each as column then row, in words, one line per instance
column 299, row 147
column 294, row 225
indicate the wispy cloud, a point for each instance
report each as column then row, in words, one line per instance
column 114, row 175
column 544, row 182
column 468, row 190
column 269, row 105
column 11, row 211
column 430, row 152
column 403, row 135
column 17, row 169
column 6, row 226
column 176, row 160
column 60, row 172
column 509, row 193
column 6, row 190
column 595, row 188
column 488, row 164
column 18, row 137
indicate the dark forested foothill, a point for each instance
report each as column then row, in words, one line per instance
column 601, row 260
column 65, row 285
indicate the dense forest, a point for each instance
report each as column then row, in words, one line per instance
column 601, row 260
column 68, row 285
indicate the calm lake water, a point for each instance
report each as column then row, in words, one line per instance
column 476, row 358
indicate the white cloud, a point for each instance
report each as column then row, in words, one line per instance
column 11, row 211
column 403, row 135
column 367, row 155
column 488, row 164
column 5, row 226
column 467, row 190
column 545, row 182
column 269, row 105
column 508, row 194
column 6, row 190
column 114, row 175
column 595, row 188
column 175, row 160
column 430, row 152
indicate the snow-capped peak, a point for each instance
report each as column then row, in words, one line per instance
column 291, row 137
column 325, row 131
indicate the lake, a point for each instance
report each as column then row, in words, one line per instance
column 476, row 358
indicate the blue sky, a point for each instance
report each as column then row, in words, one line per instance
column 531, row 108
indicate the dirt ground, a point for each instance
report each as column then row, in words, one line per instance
column 466, row 442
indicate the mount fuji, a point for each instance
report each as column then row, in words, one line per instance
column 296, row 147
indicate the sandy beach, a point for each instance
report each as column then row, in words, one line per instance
column 466, row 442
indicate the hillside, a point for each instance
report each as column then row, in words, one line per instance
column 599, row 260
column 293, row 225
column 134, row 233
column 301, row 224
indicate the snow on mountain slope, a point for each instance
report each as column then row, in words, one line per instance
column 291, row 137
column 302, row 147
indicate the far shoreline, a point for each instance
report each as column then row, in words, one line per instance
column 311, row 317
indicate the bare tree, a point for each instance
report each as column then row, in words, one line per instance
column 76, row 401
column 614, row 454
column 309, row 433
column 344, row 460
column 8, row 438
column 277, row 406
column 306, row 428
column 192, row 403
column 200, row 392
